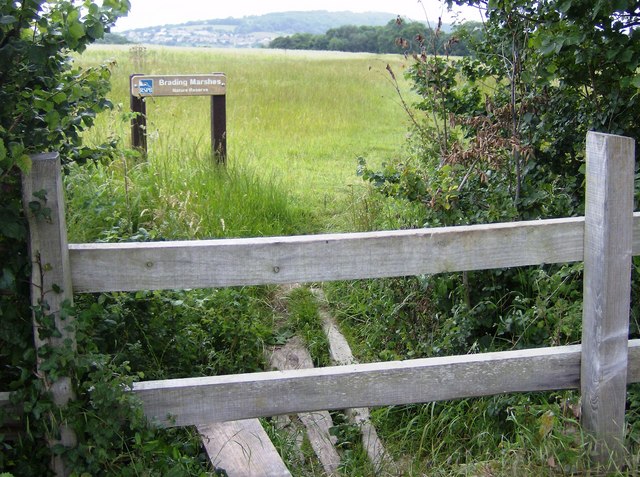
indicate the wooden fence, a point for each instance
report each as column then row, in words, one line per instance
column 601, row 367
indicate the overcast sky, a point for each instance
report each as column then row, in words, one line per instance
column 160, row 12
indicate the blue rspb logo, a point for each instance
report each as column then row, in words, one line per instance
column 145, row 86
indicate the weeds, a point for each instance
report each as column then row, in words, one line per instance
column 305, row 321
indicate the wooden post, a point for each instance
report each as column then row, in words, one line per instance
column 219, row 128
column 51, row 279
column 138, row 122
column 607, row 288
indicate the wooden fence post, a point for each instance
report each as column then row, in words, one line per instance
column 607, row 288
column 51, row 278
column 138, row 121
column 219, row 128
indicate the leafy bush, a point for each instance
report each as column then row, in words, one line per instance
column 182, row 333
column 47, row 103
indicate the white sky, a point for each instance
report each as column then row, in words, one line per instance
column 160, row 12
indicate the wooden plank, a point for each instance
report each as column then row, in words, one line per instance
column 189, row 401
column 243, row 449
column 607, row 290
column 317, row 425
column 294, row 355
column 148, row 389
column 281, row 260
column 341, row 354
column 51, row 287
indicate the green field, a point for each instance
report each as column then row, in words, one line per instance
column 296, row 119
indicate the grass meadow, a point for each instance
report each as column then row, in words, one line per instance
column 296, row 120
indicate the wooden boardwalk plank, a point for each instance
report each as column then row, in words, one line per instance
column 341, row 354
column 294, row 355
column 242, row 449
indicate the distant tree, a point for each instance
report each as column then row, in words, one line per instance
column 394, row 37
column 113, row 39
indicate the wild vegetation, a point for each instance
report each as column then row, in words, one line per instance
column 492, row 138
column 509, row 127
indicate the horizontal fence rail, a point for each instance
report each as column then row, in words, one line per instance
column 314, row 258
column 183, row 402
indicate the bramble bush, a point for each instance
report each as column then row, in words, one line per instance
column 499, row 136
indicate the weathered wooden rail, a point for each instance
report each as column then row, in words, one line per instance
column 601, row 367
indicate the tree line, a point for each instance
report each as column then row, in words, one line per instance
column 394, row 37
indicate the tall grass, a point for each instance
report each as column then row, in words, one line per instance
column 168, row 199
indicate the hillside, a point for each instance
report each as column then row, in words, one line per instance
column 251, row 31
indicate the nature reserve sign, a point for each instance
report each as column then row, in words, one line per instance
column 179, row 85
column 151, row 86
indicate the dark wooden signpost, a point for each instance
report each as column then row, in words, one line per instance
column 214, row 85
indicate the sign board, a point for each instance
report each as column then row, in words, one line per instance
column 214, row 85
column 179, row 85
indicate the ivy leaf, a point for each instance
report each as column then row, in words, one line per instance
column 7, row 20
column 41, row 194
column 551, row 45
column 23, row 162
column 59, row 97
column 76, row 30
column 96, row 30
column 53, row 119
